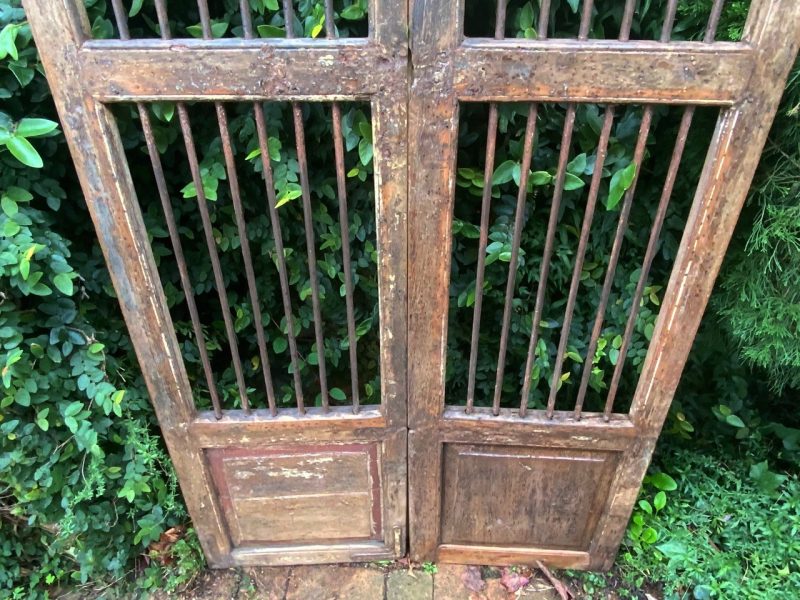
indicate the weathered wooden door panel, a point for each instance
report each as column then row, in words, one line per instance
column 265, row 483
column 506, row 466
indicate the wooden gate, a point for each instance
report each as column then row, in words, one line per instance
column 487, row 483
column 514, row 485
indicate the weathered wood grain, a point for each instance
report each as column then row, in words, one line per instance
column 236, row 69
column 601, row 71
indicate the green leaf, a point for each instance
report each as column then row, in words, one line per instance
column 24, row 152
column 63, row 283
column 271, row 4
column 577, row 165
column 660, row 501
column 279, row 345
column 573, row 182
column 8, row 46
column 526, row 16
column 337, row 394
column 271, row 31
column 35, row 127
column 734, row 421
column 365, row 152
column 767, row 481
column 621, row 181
column 354, row 12
column 136, row 6
column 73, row 409
column 504, row 173
column 540, row 178
column 291, row 192
column 662, row 481
column 9, row 207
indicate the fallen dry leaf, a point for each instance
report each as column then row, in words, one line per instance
column 512, row 580
column 555, row 582
column 472, row 580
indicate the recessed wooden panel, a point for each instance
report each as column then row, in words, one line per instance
column 517, row 496
column 299, row 494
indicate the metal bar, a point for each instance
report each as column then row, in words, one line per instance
column 219, row 280
column 616, row 248
column 121, row 17
column 163, row 20
column 341, row 185
column 586, row 228
column 586, row 19
column 713, row 21
column 233, row 182
column 486, row 201
column 300, row 144
column 552, row 225
column 669, row 20
column 683, row 132
column 627, row 20
column 525, row 167
column 280, row 259
column 205, row 19
column 544, row 19
column 661, row 213
column 177, row 248
column 346, row 265
column 330, row 25
column 247, row 19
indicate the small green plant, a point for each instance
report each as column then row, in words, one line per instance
column 430, row 568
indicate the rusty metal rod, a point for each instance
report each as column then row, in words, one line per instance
column 552, row 225
column 591, row 203
column 616, row 248
column 300, row 145
column 280, row 260
column 241, row 226
column 219, row 280
column 177, row 249
column 658, row 222
column 346, row 264
column 486, row 201
column 525, row 167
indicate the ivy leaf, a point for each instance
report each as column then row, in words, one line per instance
column 621, row 181
column 577, row 165
column 365, row 151
column 573, row 182
column 504, row 173
column 734, row 421
column 271, row 31
column 136, row 6
column 664, row 482
column 24, row 152
column 279, row 345
column 63, row 283
column 337, row 394
column 35, row 127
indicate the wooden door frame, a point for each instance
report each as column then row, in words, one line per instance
column 85, row 77
column 745, row 79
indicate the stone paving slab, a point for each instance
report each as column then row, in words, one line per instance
column 409, row 585
column 357, row 582
column 335, row 583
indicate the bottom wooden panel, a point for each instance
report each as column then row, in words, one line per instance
column 521, row 496
column 302, row 495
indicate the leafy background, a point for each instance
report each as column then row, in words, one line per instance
column 87, row 493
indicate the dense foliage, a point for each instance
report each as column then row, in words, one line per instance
column 87, row 493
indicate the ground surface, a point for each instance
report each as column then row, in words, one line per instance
column 368, row 582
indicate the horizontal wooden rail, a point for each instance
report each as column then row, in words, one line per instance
column 289, row 426
column 602, row 71
column 234, row 69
